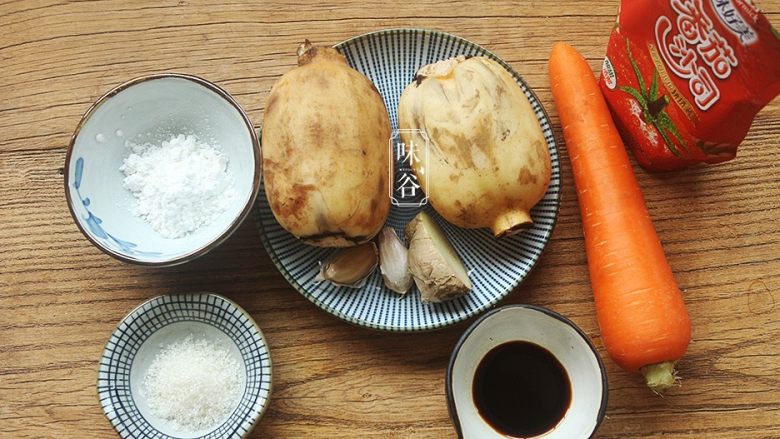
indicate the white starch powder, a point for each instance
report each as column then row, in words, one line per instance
column 195, row 384
column 180, row 185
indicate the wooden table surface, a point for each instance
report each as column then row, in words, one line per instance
column 60, row 297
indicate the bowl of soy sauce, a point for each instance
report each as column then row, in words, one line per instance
column 522, row 371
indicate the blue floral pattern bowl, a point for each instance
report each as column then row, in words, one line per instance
column 152, row 109
column 390, row 58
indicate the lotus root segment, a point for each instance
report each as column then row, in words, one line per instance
column 487, row 163
column 325, row 151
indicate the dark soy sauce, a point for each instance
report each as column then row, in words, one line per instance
column 521, row 389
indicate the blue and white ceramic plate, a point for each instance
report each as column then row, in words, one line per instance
column 167, row 319
column 390, row 59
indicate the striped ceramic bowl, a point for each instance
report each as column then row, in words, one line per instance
column 163, row 320
column 390, row 59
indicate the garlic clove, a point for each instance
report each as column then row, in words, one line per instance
column 394, row 261
column 350, row 267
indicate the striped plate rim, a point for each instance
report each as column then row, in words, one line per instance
column 541, row 241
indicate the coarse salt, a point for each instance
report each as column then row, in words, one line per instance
column 180, row 185
column 194, row 384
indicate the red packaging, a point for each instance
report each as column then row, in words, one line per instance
column 685, row 78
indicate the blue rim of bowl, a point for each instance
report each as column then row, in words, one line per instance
column 548, row 312
column 194, row 254
column 204, row 293
column 348, row 319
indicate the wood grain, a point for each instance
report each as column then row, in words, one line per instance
column 60, row 297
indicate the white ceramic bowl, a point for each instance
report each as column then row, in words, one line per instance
column 168, row 319
column 152, row 109
column 545, row 328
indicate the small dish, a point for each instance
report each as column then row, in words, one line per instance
column 165, row 319
column 390, row 59
column 545, row 328
column 152, row 109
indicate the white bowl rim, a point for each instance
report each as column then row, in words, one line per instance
column 231, row 303
column 202, row 250
column 449, row 393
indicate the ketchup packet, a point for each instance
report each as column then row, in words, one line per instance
column 685, row 78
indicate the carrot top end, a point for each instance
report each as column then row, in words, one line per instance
column 660, row 377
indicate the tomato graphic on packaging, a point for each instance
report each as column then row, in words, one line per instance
column 685, row 78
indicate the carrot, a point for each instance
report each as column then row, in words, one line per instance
column 640, row 310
